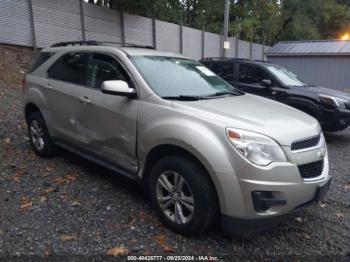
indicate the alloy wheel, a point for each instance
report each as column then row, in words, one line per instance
column 175, row 197
column 37, row 135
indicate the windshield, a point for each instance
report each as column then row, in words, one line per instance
column 284, row 76
column 178, row 77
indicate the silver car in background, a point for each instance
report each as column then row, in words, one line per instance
column 204, row 150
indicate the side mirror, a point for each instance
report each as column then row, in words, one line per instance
column 117, row 87
column 266, row 83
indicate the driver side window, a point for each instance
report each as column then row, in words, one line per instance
column 103, row 68
column 250, row 74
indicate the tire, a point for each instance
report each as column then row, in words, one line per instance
column 195, row 184
column 41, row 140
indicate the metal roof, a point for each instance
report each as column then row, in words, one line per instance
column 310, row 48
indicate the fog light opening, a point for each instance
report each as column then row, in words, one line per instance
column 264, row 200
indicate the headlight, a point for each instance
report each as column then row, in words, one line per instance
column 333, row 101
column 257, row 148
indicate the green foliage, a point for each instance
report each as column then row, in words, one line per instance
column 257, row 20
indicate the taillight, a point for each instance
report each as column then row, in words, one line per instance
column 23, row 82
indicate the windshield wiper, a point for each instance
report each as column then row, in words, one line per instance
column 225, row 93
column 182, row 98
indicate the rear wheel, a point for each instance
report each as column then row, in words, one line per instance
column 39, row 136
column 183, row 195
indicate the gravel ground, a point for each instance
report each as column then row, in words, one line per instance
column 68, row 207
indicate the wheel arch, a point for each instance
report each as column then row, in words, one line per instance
column 160, row 151
column 29, row 109
column 306, row 106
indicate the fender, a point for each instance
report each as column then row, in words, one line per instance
column 199, row 140
column 304, row 104
column 35, row 96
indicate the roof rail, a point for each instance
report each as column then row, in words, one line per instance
column 93, row 42
column 224, row 58
column 259, row 60
column 69, row 43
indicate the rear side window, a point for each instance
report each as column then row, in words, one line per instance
column 71, row 68
column 224, row 70
column 42, row 58
column 103, row 68
column 251, row 74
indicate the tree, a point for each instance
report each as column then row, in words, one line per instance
column 258, row 20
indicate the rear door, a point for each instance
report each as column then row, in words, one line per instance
column 65, row 89
column 225, row 70
column 107, row 123
column 249, row 79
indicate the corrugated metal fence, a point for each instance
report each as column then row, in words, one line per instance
column 40, row 23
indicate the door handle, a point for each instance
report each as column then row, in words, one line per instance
column 49, row 86
column 84, row 99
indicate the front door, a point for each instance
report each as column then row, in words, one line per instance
column 250, row 80
column 107, row 123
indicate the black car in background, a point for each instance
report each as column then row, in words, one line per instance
column 330, row 107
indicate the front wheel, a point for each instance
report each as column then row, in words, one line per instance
column 183, row 195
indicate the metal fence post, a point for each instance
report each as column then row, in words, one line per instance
column 251, row 49
column 181, row 38
column 82, row 19
column 122, row 26
column 263, row 50
column 221, row 45
column 32, row 25
column 154, row 32
column 236, row 46
column 203, row 41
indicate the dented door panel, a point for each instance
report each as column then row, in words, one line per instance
column 107, row 126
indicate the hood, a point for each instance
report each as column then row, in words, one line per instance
column 326, row 91
column 278, row 121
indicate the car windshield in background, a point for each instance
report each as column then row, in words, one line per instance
column 179, row 78
column 286, row 77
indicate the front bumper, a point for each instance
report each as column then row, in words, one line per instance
column 279, row 184
column 335, row 120
column 233, row 225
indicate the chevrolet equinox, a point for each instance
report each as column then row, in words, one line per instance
column 205, row 151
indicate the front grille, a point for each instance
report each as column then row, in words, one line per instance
column 306, row 143
column 311, row 170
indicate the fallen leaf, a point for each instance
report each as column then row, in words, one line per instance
column 47, row 191
column 18, row 175
column 43, row 199
column 168, row 249
column 71, row 177
column 118, row 251
column 59, row 181
column 7, row 140
column 75, row 203
column 67, row 237
column 26, row 204
column 322, row 205
column 65, row 179
column 133, row 241
column 131, row 221
column 63, row 196
column 50, row 168
column 161, row 240
column 299, row 219
column 339, row 215
column 305, row 236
